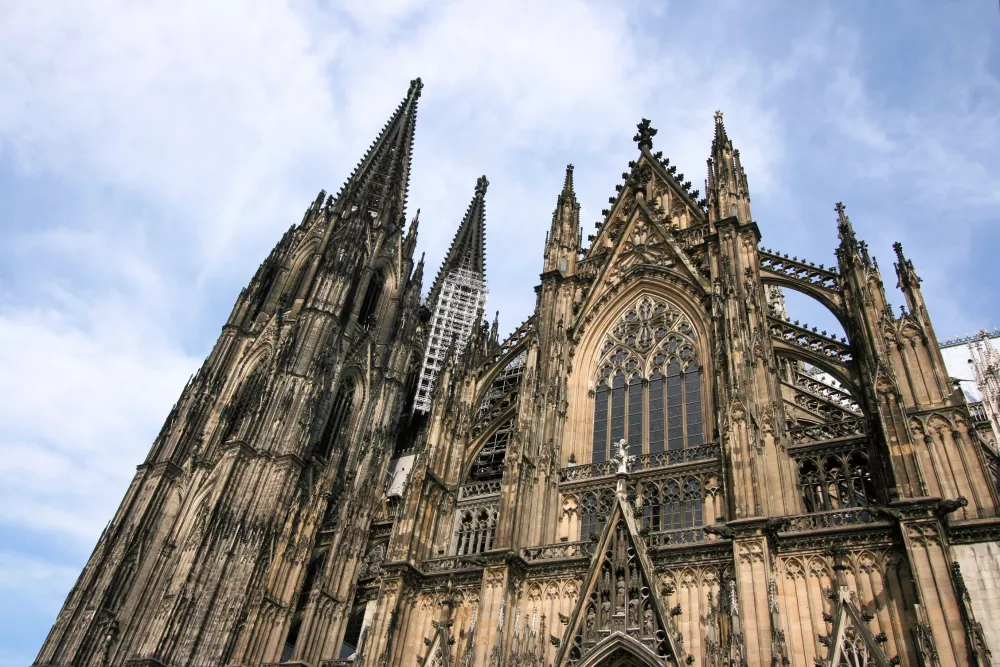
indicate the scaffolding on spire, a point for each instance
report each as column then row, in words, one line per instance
column 458, row 295
column 985, row 362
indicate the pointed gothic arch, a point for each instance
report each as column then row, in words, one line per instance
column 493, row 441
column 348, row 397
column 300, row 267
column 845, row 375
column 819, row 295
column 647, row 381
column 620, row 650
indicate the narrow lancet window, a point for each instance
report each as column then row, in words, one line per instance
column 675, row 411
column 692, row 400
column 601, row 423
column 635, row 417
column 656, row 413
column 618, row 408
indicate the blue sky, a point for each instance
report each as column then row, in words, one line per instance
column 151, row 154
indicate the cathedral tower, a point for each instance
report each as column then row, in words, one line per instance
column 238, row 540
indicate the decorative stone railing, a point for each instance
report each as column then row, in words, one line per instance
column 673, row 537
column 558, row 551
column 797, row 269
column 832, row 519
column 693, row 236
column 640, row 463
column 800, row 336
column 816, row 433
column 450, row 563
column 479, row 489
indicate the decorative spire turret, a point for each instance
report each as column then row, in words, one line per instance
column 849, row 247
column 562, row 245
column 908, row 278
column 410, row 243
column 726, row 189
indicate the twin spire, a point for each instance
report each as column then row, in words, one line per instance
column 380, row 180
column 468, row 248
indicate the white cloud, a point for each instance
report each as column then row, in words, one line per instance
column 79, row 403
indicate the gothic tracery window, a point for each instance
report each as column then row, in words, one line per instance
column 835, row 481
column 596, row 509
column 477, row 528
column 489, row 464
column 648, row 383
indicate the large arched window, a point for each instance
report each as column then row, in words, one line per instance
column 339, row 417
column 648, row 383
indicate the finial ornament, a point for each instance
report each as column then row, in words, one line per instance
column 718, row 116
column 622, row 457
column 644, row 137
column 416, row 85
column 481, row 185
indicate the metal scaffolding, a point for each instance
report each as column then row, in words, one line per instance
column 463, row 294
column 985, row 364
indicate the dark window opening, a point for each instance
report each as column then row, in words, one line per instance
column 369, row 305
column 352, row 634
column 601, row 423
column 290, row 639
column 651, row 510
column 489, row 464
column 315, row 566
column 836, row 482
column 692, row 400
column 656, row 413
column 339, row 414
column 635, row 417
column 675, row 415
column 617, row 409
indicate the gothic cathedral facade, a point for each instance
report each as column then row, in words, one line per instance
column 645, row 472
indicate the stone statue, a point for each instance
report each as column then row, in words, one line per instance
column 621, row 456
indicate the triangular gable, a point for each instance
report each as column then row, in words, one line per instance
column 643, row 241
column 852, row 643
column 619, row 595
column 648, row 168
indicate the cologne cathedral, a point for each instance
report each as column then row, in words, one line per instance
column 656, row 468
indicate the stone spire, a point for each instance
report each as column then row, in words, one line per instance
column 562, row 245
column 726, row 189
column 380, row 181
column 468, row 248
column 458, row 294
